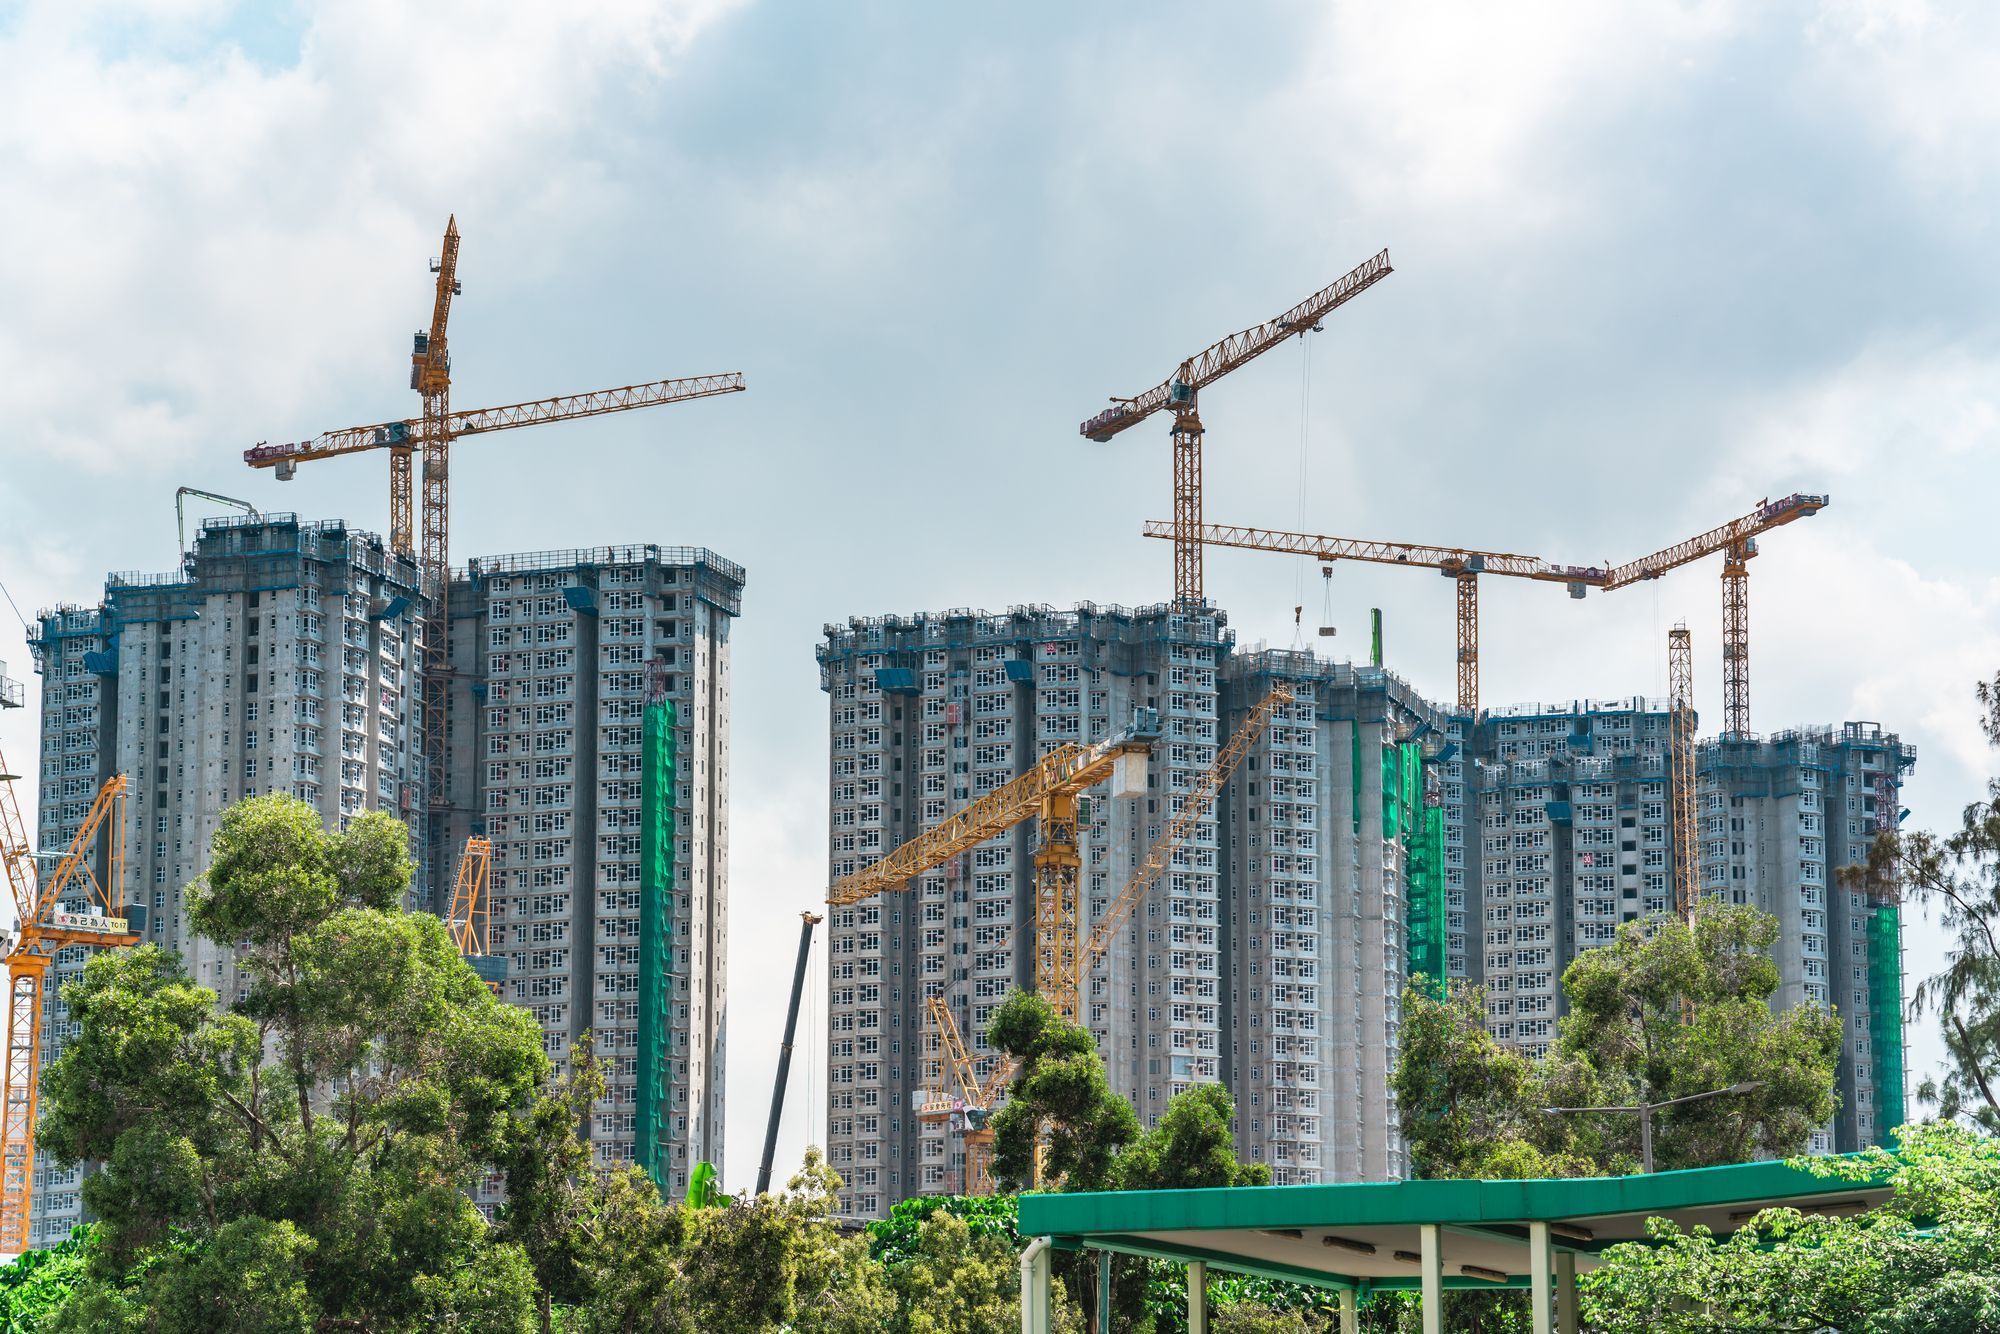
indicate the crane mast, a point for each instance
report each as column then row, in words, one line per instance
column 1180, row 395
column 1681, row 720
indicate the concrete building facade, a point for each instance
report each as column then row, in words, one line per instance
column 1270, row 957
column 1779, row 817
column 551, row 654
column 280, row 658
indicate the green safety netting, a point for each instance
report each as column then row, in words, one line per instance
column 656, row 884
column 1423, row 862
column 1885, row 1023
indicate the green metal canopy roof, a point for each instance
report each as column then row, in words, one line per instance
column 1366, row 1235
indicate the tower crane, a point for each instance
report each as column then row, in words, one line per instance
column 44, row 926
column 1680, row 725
column 470, row 921
column 1737, row 540
column 1180, row 395
column 1460, row 564
column 1063, row 985
column 432, row 433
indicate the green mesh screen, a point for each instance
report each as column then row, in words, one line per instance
column 1354, row 773
column 656, row 887
column 1885, row 1023
column 1423, row 863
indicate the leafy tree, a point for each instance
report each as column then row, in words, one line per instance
column 302, row 1158
column 36, row 1284
column 1060, row 1096
column 1191, row 1147
column 1959, row 875
column 778, row 1261
column 1255, row 1317
column 1092, row 1140
column 956, row 1282
column 1928, row 1260
column 1467, row 1106
column 898, row 1238
column 1668, row 1009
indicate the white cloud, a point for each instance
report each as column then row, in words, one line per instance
column 203, row 246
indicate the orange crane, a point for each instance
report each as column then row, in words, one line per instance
column 1461, row 564
column 471, row 916
column 1180, row 395
column 1737, row 539
column 45, row 927
column 1062, row 984
column 1680, row 724
column 432, row 434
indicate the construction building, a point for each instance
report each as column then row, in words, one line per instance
column 1272, row 958
column 552, row 655
column 1779, row 816
column 1566, row 806
column 1569, row 809
column 280, row 658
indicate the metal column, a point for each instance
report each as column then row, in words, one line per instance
column 1433, row 1270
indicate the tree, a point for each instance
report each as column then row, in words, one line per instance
column 1668, row 1009
column 1467, row 1106
column 778, row 1261
column 1092, row 1140
column 1060, row 1097
column 1959, row 875
column 303, row 1157
column 1928, row 1260
column 956, row 1282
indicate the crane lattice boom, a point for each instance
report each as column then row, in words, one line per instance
column 1214, row 362
column 567, row 407
column 1768, row 515
column 1068, row 768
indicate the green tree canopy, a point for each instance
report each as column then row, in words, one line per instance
column 1670, row 1009
column 1928, row 1261
column 305, row 1155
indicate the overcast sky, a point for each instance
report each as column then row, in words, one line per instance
column 1653, row 262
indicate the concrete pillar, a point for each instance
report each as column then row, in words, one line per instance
column 1433, row 1276
column 1571, row 1318
column 1198, row 1297
column 1350, row 1314
column 1541, row 1289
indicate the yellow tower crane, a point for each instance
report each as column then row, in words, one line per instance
column 45, row 926
column 1681, row 720
column 432, row 434
column 1180, row 395
column 1737, row 540
column 1060, row 968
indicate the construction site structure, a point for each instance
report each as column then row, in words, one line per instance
column 807, row 921
column 1680, row 751
column 431, row 434
column 590, row 724
column 1180, row 396
column 79, row 901
column 1779, row 815
column 470, row 920
column 927, row 713
column 1737, row 540
column 1062, row 959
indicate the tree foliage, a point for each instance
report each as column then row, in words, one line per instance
column 1928, row 1260
column 302, row 1157
column 1665, row 1010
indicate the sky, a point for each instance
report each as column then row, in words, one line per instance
column 1654, row 262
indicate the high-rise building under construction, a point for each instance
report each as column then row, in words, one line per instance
column 552, row 655
column 280, row 658
column 1271, row 958
column 1568, row 808
column 283, row 658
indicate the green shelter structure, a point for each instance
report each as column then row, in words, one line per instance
column 1360, row 1239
